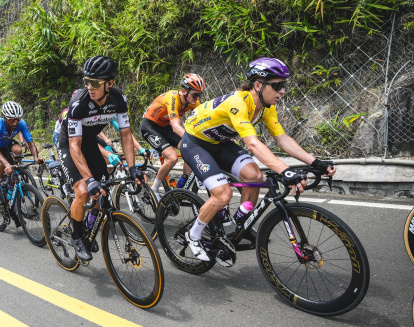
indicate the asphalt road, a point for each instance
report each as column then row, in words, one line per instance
column 237, row 296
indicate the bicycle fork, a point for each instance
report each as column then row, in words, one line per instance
column 292, row 237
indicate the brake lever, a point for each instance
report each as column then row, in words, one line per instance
column 330, row 183
column 297, row 195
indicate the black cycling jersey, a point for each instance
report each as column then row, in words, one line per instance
column 87, row 119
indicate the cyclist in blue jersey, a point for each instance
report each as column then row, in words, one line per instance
column 11, row 124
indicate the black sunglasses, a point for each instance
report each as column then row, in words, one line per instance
column 277, row 86
column 196, row 95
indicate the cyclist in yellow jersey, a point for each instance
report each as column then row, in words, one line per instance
column 161, row 125
column 207, row 147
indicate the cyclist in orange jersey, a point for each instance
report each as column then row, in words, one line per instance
column 161, row 125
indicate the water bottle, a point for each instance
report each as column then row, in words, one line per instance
column 242, row 212
column 92, row 217
column 224, row 216
column 182, row 181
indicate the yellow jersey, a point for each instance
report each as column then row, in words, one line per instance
column 167, row 107
column 230, row 115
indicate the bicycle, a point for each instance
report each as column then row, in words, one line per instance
column 309, row 256
column 56, row 181
column 23, row 204
column 409, row 235
column 129, row 252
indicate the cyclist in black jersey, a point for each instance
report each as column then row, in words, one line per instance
column 90, row 110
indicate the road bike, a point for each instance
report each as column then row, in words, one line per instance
column 309, row 256
column 56, row 182
column 23, row 204
column 409, row 235
column 129, row 252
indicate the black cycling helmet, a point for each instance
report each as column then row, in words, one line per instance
column 101, row 67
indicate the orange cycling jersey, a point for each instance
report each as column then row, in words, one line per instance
column 230, row 115
column 167, row 107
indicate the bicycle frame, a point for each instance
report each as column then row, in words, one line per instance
column 271, row 196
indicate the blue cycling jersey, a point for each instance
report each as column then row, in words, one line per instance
column 5, row 139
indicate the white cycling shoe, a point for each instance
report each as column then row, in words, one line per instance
column 197, row 248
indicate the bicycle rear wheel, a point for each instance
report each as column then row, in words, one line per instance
column 138, row 272
column 336, row 277
column 57, row 229
column 409, row 235
column 142, row 206
column 176, row 214
column 29, row 208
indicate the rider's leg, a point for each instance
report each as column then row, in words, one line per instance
column 250, row 173
column 171, row 159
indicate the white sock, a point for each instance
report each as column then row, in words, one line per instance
column 197, row 230
column 156, row 185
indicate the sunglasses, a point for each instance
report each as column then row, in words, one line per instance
column 92, row 82
column 13, row 120
column 196, row 95
column 277, row 86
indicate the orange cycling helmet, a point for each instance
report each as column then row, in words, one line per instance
column 193, row 82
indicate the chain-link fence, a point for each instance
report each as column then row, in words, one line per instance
column 356, row 102
column 338, row 108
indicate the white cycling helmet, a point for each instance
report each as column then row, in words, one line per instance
column 11, row 109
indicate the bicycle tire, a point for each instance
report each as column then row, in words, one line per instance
column 409, row 235
column 27, row 177
column 313, row 287
column 140, row 280
column 176, row 214
column 3, row 212
column 57, row 228
column 143, row 206
column 29, row 208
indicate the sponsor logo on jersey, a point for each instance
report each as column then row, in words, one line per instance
column 217, row 101
column 173, row 104
column 200, row 165
column 184, row 145
column 244, row 122
column 202, row 121
column 72, row 123
column 174, row 93
column 75, row 104
column 221, row 178
column 234, row 111
column 125, row 98
column 71, row 130
column 92, row 112
column 91, row 105
column 173, row 116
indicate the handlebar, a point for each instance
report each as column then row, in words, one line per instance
column 107, row 184
column 304, row 172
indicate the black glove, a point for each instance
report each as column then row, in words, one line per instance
column 93, row 186
column 292, row 177
column 135, row 173
column 323, row 165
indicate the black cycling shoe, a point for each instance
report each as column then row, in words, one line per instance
column 94, row 246
column 16, row 220
column 81, row 250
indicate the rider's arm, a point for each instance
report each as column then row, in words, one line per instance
column 78, row 158
column 105, row 138
column 263, row 154
column 291, row 147
column 33, row 151
column 128, row 146
column 177, row 128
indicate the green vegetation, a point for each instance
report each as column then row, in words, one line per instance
column 42, row 56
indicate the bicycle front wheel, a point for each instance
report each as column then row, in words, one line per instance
column 29, row 208
column 409, row 235
column 57, row 229
column 135, row 268
column 335, row 277
column 28, row 177
column 142, row 206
